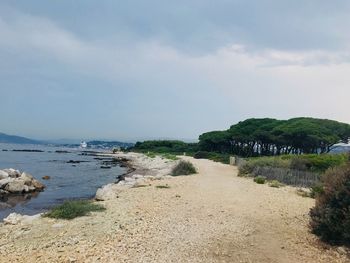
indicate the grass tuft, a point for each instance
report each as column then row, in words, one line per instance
column 72, row 209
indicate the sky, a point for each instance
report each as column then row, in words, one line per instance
column 132, row 70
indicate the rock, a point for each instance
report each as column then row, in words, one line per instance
column 16, row 187
column 15, row 219
column 46, row 177
column 109, row 191
column 4, row 182
column 38, row 186
column 3, row 175
column 27, row 178
column 13, row 173
column 342, row 250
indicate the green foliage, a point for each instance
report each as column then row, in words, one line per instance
column 165, row 146
column 183, row 168
column 217, row 157
column 251, row 163
column 264, row 137
column 330, row 218
column 201, row 155
column 73, row 209
column 316, row 190
column 260, row 180
column 317, row 163
column 322, row 162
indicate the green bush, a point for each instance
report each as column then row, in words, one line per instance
column 260, row 180
column 165, row 146
column 201, row 155
column 307, row 162
column 300, row 163
column 73, row 209
column 251, row 163
column 317, row 189
column 322, row 162
column 216, row 157
column 330, row 218
column 183, row 168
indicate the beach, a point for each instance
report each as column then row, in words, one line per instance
column 212, row 216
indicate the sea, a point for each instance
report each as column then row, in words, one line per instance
column 74, row 174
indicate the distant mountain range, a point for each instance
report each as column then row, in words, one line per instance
column 5, row 138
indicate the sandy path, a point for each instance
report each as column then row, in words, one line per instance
column 213, row 216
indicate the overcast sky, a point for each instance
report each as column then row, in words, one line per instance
column 155, row 68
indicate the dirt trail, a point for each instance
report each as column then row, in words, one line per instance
column 213, row 216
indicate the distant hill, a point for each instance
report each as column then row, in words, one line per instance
column 5, row 138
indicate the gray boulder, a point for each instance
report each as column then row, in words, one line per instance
column 13, row 173
column 27, row 178
column 6, row 181
column 3, row 175
column 18, row 183
column 17, row 187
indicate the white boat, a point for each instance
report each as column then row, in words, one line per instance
column 83, row 144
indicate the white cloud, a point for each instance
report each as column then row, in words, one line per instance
column 239, row 81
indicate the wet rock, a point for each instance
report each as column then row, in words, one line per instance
column 17, row 187
column 46, row 177
column 38, row 186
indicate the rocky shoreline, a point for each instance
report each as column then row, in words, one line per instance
column 141, row 170
column 14, row 182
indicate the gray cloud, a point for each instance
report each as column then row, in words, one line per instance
column 168, row 69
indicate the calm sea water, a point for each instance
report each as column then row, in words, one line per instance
column 68, row 181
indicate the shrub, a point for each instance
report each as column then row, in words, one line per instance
column 183, row 168
column 322, row 162
column 330, row 218
column 316, row 190
column 73, row 209
column 201, row 155
column 260, row 180
column 299, row 163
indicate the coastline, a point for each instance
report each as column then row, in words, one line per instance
column 141, row 170
column 213, row 216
